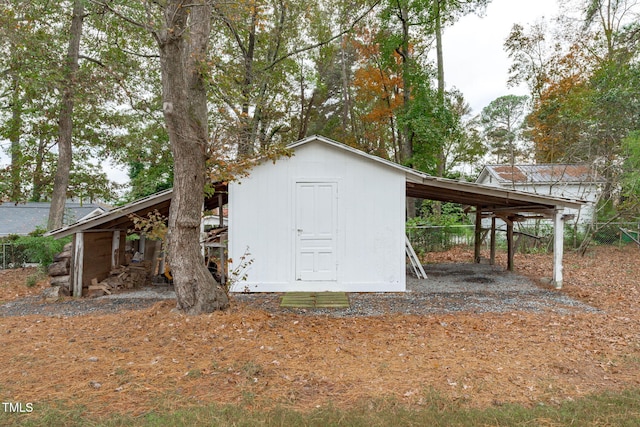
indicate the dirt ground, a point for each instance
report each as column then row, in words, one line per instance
column 154, row 359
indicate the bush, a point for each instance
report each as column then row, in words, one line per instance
column 38, row 248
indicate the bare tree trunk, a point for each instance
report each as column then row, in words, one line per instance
column 406, row 145
column 65, row 125
column 183, row 46
column 437, row 206
column 38, row 174
column 15, row 131
column 346, row 98
column 440, row 64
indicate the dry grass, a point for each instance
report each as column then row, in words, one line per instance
column 154, row 359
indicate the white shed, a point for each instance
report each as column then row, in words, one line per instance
column 329, row 218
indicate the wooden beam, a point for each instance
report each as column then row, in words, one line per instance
column 478, row 236
column 524, row 208
column 78, row 264
column 558, row 248
column 115, row 249
column 142, row 246
column 492, row 250
column 220, row 211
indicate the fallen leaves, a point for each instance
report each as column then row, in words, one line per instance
column 304, row 361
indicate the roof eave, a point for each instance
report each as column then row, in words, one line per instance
column 109, row 215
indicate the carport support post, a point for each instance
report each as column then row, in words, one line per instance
column 558, row 247
column 478, row 236
column 492, row 249
column 510, row 248
column 78, row 264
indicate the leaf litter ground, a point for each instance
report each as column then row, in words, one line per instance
column 153, row 358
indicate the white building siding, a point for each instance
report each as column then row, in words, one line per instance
column 588, row 192
column 369, row 223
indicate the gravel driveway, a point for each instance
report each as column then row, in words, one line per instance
column 449, row 288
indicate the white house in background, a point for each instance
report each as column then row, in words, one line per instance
column 329, row 218
column 578, row 182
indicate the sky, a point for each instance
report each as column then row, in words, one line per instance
column 474, row 58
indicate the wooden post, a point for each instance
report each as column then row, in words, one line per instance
column 478, row 236
column 142, row 246
column 115, row 249
column 510, row 247
column 78, row 264
column 558, row 247
column 220, row 212
column 492, row 256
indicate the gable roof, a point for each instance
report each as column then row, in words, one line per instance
column 23, row 218
column 541, row 174
column 327, row 141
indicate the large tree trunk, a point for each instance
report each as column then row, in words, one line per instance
column 183, row 46
column 65, row 125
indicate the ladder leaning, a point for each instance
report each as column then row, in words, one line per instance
column 418, row 270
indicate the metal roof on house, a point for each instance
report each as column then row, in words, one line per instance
column 23, row 218
column 542, row 174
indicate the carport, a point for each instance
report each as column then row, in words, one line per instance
column 496, row 203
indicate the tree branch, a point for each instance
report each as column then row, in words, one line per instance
column 324, row 42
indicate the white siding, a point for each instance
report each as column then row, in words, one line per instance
column 576, row 191
column 369, row 227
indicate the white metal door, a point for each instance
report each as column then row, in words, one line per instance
column 316, row 219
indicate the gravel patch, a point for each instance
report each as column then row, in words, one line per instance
column 129, row 300
column 449, row 288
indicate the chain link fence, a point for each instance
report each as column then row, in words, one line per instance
column 534, row 237
column 12, row 256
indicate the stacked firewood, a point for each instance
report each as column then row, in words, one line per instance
column 60, row 274
column 123, row 277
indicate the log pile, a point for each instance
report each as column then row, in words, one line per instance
column 60, row 274
column 134, row 275
column 123, row 277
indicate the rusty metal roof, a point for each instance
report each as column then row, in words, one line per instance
column 544, row 174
